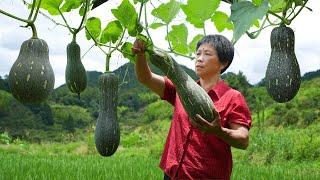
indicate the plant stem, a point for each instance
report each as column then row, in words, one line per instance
column 87, row 51
column 255, row 34
column 83, row 18
column 167, row 29
column 13, row 16
column 95, row 42
column 108, row 57
column 290, row 20
column 34, row 30
column 140, row 12
column 276, row 15
column 32, row 9
column 119, row 42
column 146, row 23
column 37, row 12
column 46, row 16
column 74, row 37
column 65, row 21
column 271, row 23
column 204, row 30
column 176, row 53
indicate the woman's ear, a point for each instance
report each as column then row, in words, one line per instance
column 223, row 65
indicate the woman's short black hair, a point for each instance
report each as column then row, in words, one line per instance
column 222, row 45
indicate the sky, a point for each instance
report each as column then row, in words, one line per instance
column 251, row 55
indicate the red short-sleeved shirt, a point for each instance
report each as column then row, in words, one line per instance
column 191, row 154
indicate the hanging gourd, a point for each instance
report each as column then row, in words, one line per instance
column 283, row 77
column 107, row 132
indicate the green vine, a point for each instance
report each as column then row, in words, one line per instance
column 30, row 21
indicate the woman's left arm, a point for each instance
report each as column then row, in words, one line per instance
column 236, row 136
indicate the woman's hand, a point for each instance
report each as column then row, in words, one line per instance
column 138, row 47
column 206, row 126
column 237, row 136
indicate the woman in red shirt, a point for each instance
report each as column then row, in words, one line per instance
column 195, row 148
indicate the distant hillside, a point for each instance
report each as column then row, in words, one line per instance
column 127, row 77
column 307, row 76
column 136, row 105
column 311, row 75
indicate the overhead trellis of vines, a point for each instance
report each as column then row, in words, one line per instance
column 137, row 18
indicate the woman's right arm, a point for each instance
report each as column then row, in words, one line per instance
column 144, row 75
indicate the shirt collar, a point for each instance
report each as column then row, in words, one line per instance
column 219, row 89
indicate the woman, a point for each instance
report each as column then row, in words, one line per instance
column 195, row 148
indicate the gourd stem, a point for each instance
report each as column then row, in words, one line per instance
column 74, row 37
column 34, row 30
column 108, row 62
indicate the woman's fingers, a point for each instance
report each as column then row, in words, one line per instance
column 138, row 47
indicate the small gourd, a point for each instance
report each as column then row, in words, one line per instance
column 283, row 77
column 75, row 74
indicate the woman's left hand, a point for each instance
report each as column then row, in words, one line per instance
column 203, row 125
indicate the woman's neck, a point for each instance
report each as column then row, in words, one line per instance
column 209, row 83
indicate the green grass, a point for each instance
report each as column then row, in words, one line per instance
column 303, row 171
column 18, row 166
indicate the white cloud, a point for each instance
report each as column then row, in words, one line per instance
column 251, row 56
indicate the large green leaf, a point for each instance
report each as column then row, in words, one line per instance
column 126, row 14
column 71, row 4
column 198, row 11
column 244, row 14
column 277, row 5
column 167, row 12
column 52, row 6
column 193, row 43
column 135, row 30
column 178, row 37
column 126, row 51
column 112, row 32
column 94, row 27
column 221, row 21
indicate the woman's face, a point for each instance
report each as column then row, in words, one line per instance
column 207, row 62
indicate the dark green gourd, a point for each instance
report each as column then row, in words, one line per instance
column 194, row 98
column 107, row 132
column 283, row 73
column 76, row 78
column 31, row 78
